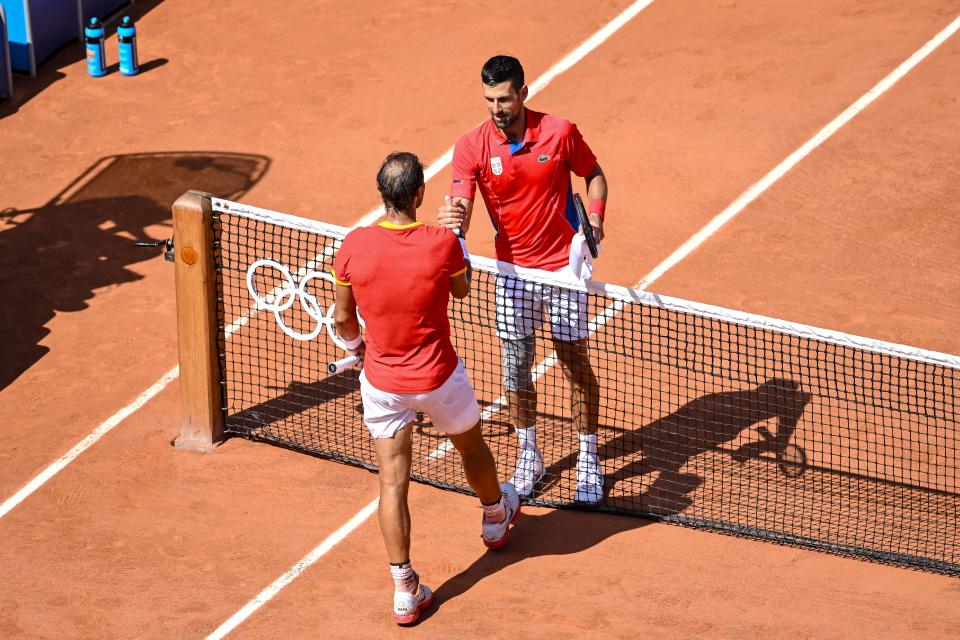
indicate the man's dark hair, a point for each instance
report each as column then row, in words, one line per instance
column 502, row 69
column 400, row 175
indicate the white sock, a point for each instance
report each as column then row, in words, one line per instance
column 528, row 438
column 404, row 577
column 495, row 512
column 588, row 447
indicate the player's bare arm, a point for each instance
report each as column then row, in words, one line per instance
column 460, row 285
column 596, row 192
column 345, row 314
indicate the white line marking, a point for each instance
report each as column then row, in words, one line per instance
column 754, row 191
column 87, row 442
column 267, row 594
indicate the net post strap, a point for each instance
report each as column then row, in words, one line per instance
column 201, row 413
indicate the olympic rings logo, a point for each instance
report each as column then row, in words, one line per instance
column 281, row 299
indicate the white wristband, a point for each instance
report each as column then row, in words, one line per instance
column 353, row 343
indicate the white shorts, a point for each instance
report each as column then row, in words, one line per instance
column 452, row 406
column 522, row 307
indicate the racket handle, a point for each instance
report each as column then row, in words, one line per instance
column 342, row 364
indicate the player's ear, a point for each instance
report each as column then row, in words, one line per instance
column 420, row 192
column 523, row 93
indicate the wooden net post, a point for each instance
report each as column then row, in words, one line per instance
column 201, row 423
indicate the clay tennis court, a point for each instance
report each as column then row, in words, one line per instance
column 687, row 104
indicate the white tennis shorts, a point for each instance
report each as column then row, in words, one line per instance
column 452, row 406
column 522, row 306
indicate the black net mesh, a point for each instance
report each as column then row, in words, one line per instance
column 702, row 422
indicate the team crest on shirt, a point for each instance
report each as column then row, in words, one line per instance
column 496, row 166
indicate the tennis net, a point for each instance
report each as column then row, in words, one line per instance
column 707, row 417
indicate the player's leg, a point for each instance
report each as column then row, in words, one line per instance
column 501, row 503
column 388, row 417
column 574, row 361
column 478, row 464
column 455, row 413
column 393, row 459
column 568, row 313
column 519, row 312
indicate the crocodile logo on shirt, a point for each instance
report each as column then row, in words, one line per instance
column 543, row 158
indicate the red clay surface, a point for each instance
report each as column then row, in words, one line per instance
column 686, row 106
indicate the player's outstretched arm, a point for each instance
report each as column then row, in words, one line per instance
column 455, row 213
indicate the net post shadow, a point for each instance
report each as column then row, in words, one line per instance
column 58, row 256
column 201, row 416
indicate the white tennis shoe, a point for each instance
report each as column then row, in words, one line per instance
column 495, row 534
column 529, row 471
column 589, row 480
column 407, row 607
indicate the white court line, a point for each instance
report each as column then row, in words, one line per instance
column 781, row 169
column 267, row 594
column 87, row 442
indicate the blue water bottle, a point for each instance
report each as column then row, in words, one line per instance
column 96, row 59
column 127, row 34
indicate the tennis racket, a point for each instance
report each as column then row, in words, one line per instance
column 585, row 227
column 343, row 364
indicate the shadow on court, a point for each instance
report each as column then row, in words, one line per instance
column 49, row 71
column 665, row 446
column 55, row 257
column 707, row 423
column 556, row 533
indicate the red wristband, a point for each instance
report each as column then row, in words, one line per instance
column 598, row 207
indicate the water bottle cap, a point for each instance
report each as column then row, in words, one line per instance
column 94, row 22
column 126, row 20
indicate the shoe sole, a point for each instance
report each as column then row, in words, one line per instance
column 499, row 544
column 410, row 618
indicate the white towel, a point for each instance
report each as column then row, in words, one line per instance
column 581, row 262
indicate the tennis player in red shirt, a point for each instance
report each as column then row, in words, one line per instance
column 522, row 160
column 402, row 274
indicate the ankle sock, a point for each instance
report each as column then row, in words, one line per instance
column 588, row 447
column 527, row 437
column 496, row 512
column 405, row 579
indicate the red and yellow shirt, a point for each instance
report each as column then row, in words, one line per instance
column 526, row 186
column 400, row 277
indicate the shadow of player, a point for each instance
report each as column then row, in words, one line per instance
column 55, row 258
column 291, row 420
column 666, row 446
column 705, row 424
column 556, row 533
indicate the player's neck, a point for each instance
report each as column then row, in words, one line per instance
column 401, row 218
